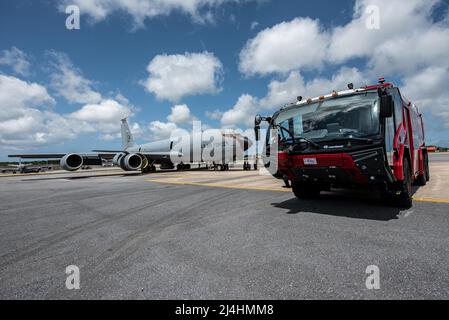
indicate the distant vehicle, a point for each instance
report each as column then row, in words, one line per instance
column 23, row 168
column 107, row 163
column 368, row 137
column 133, row 157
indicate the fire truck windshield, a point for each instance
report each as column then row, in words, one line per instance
column 355, row 116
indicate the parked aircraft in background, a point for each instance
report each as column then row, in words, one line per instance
column 23, row 168
column 169, row 153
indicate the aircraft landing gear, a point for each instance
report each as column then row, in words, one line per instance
column 222, row 167
column 149, row 169
column 182, row 166
column 246, row 166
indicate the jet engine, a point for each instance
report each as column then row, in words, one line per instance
column 117, row 158
column 71, row 162
column 131, row 162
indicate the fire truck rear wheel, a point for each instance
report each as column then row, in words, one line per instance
column 304, row 191
column 426, row 166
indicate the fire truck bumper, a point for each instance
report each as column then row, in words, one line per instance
column 367, row 167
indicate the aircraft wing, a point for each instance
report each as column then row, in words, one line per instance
column 105, row 155
column 161, row 154
column 38, row 156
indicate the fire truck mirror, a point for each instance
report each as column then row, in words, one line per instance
column 386, row 106
column 257, row 120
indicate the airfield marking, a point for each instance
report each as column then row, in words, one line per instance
column 157, row 179
column 431, row 200
column 217, row 185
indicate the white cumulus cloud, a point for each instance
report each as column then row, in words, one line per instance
column 200, row 11
column 27, row 118
column 163, row 130
column 242, row 113
column 180, row 114
column 172, row 77
column 281, row 92
column 16, row 59
column 106, row 111
column 15, row 94
column 68, row 81
column 299, row 43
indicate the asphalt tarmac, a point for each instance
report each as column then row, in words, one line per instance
column 132, row 237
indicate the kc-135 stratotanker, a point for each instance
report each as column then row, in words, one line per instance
column 219, row 147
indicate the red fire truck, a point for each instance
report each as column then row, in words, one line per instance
column 370, row 137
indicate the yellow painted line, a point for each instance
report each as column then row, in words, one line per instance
column 431, row 200
column 217, row 185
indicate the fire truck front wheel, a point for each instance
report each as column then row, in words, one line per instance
column 305, row 191
column 404, row 198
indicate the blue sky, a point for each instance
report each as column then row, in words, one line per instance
column 313, row 46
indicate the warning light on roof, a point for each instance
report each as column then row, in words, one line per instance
column 381, row 80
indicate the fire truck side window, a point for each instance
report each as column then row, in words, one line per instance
column 398, row 115
column 389, row 135
column 416, row 130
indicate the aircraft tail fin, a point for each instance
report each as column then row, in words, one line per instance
column 127, row 137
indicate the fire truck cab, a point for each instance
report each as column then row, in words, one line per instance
column 370, row 137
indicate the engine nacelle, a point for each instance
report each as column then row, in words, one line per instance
column 71, row 162
column 131, row 162
column 116, row 160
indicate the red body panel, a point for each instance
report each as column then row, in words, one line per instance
column 340, row 160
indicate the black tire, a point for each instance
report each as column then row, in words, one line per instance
column 304, row 191
column 404, row 198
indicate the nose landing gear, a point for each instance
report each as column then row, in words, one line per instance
column 182, row 166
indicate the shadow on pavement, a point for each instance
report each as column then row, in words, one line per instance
column 334, row 204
